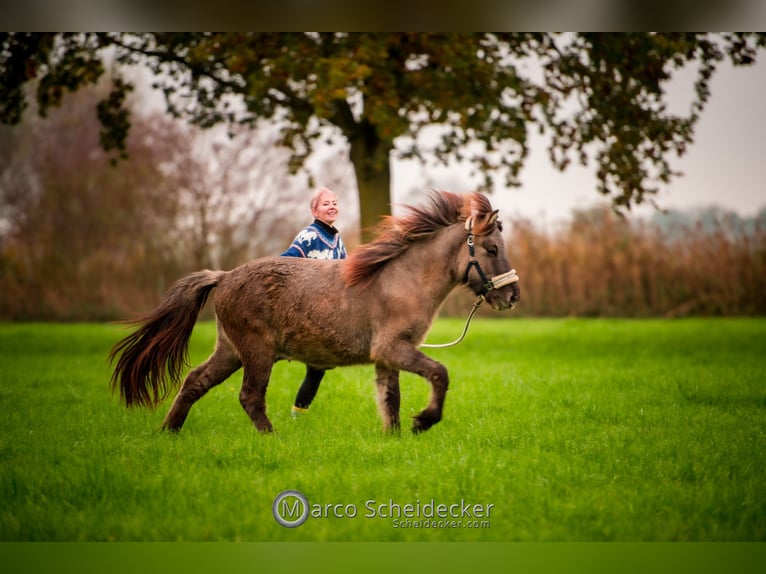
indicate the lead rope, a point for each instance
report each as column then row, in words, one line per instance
column 476, row 306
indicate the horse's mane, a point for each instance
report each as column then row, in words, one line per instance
column 394, row 235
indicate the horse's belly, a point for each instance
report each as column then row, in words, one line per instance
column 326, row 354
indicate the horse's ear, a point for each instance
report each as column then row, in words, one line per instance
column 490, row 219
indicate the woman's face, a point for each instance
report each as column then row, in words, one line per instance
column 326, row 209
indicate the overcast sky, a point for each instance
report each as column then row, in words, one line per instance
column 725, row 166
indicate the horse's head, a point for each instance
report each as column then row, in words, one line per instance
column 488, row 272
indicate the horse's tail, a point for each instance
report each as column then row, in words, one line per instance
column 151, row 358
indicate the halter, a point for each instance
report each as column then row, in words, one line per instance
column 495, row 282
column 487, row 285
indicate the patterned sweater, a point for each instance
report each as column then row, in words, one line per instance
column 317, row 241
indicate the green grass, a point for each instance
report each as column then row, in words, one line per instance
column 575, row 430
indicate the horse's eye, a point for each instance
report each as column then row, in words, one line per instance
column 491, row 250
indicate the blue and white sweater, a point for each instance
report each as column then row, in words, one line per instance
column 317, row 241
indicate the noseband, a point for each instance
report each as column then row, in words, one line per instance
column 495, row 282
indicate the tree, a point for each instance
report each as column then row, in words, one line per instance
column 600, row 97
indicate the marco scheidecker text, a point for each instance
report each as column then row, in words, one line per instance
column 291, row 508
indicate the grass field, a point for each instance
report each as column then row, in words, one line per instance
column 573, row 430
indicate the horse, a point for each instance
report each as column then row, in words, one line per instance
column 375, row 306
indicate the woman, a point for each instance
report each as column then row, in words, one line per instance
column 319, row 240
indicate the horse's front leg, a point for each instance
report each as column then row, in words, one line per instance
column 436, row 373
column 405, row 357
column 387, row 383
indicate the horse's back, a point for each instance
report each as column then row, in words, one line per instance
column 276, row 281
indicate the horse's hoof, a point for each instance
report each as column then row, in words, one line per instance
column 423, row 422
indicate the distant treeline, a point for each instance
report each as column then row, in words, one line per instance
column 709, row 262
column 598, row 265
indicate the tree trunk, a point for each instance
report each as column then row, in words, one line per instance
column 371, row 159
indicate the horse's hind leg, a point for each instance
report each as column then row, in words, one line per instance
column 221, row 364
column 252, row 396
column 387, row 383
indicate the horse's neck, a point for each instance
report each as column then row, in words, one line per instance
column 436, row 263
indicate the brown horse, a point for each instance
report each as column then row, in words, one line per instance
column 376, row 306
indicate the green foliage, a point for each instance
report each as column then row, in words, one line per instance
column 576, row 430
column 112, row 113
column 602, row 96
